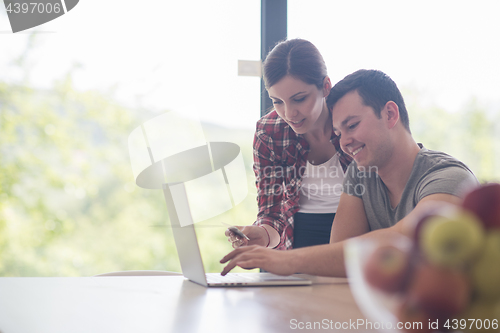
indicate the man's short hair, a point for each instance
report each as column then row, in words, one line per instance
column 375, row 88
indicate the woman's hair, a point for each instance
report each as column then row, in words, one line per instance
column 295, row 57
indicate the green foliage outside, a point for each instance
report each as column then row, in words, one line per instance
column 69, row 205
column 471, row 134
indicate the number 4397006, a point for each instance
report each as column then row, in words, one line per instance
column 484, row 324
column 33, row 7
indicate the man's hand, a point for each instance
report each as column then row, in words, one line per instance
column 249, row 257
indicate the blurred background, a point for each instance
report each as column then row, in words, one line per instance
column 72, row 90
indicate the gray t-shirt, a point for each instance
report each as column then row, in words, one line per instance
column 433, row 172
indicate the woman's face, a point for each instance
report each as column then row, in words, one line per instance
column 299, row 104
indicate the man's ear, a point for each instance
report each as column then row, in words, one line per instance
column 391, row 113
column 327, row 86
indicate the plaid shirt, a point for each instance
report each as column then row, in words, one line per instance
column 280, row 157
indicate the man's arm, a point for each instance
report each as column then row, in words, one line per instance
column 350, row 219
column 407, row 224
column 323, row 260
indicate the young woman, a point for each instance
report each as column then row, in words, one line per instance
column 298, row 163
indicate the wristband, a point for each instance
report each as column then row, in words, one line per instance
column 268, row 236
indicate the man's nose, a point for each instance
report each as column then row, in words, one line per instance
column 345, row 142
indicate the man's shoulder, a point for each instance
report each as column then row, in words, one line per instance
column 438, row 172
column 428, row 159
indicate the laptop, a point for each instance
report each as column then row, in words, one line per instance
column 188, row 250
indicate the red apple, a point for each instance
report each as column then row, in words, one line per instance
column 439, row 291
column 387, row 268
column 484, row 201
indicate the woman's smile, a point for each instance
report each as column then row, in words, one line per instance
column 296, row 124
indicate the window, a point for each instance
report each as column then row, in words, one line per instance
column 440, row 54
column 72, row 91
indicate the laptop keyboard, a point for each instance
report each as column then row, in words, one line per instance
column 232, row 277
column 248, row 277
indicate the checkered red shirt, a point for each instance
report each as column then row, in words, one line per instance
column 280, row 157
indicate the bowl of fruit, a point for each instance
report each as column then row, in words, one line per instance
column 443, row 276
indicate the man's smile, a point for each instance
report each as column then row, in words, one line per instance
column 356, row 151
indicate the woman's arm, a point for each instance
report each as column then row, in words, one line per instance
column 270, row 175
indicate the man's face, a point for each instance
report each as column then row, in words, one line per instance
column 362, row 134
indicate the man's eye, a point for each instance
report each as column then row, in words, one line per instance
column 353, row 126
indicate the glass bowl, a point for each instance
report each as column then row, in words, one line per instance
column 378, row 307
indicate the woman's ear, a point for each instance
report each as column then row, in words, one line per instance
column 327, row 86
column 392, row 113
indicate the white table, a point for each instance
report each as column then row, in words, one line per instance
column 169, row 304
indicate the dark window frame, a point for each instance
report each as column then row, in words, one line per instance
column 273, row 29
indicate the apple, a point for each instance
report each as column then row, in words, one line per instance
column 387, row 268
column 439, row 291
column 431, row 209
column 485, row 271
column 451, row 240
column 484, row 201
column 450, row 269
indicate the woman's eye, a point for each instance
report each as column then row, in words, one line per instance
column 298, row 100
column 276, row 102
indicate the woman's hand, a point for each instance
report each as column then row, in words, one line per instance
column 256, row 234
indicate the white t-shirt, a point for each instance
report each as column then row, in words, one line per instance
column 321, row 187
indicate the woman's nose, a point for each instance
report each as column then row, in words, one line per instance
column 290, row 112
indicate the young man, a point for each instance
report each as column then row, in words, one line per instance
column 389, row 183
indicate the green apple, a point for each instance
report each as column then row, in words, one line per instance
column 486, row 269
column 430, row 210
column 452, row 239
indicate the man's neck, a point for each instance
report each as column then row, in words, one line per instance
column 396, row 172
